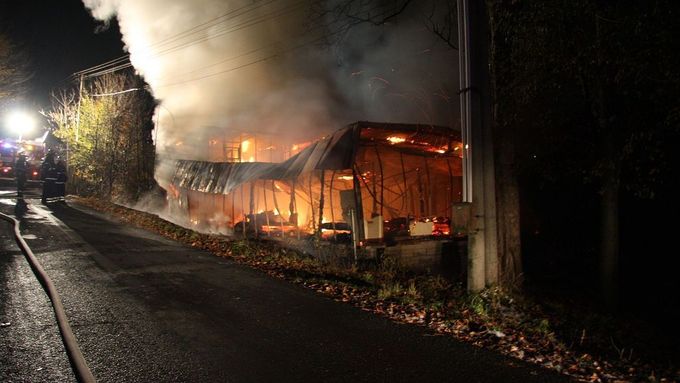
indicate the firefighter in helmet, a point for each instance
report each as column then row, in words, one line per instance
column 48, row 175
column 61, row 178
column 20, row 169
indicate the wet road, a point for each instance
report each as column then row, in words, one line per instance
column 148, row 309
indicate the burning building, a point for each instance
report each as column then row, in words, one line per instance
column 382, row 182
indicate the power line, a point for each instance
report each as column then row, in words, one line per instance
column 342, row 29
column 203, row 26
column 102, row 65
column 225, row 30
column 206, row 25
column 109, row 70
column 257, row 61
column 245, row 24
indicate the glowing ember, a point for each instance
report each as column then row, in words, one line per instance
column 396, row 140
column 346, row 178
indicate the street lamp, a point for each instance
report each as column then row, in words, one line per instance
column 20, row 123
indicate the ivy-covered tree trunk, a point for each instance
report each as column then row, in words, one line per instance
column 507, row 187
column 507, row 196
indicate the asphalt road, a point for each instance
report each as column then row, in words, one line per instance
column 147, row 309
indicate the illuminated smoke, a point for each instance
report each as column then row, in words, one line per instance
column 221, row 77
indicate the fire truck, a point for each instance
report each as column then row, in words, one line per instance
column 10, row 150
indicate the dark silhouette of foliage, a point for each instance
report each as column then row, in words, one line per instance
column 591, row 93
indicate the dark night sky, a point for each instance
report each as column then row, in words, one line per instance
column 58, row 38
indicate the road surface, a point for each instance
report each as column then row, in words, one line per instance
column 147, row 309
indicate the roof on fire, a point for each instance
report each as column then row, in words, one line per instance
column 334, row 152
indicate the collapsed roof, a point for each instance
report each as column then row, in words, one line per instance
column 334, row 152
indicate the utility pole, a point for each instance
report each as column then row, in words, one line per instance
column 80, row 97
column 478, row 158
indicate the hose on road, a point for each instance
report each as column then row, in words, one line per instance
column 78, row 363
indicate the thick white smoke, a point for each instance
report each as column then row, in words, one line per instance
column 221, row 67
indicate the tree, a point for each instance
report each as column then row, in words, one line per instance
column 13, row 76
column 107, row 130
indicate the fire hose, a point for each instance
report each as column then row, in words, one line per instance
column 78, row 363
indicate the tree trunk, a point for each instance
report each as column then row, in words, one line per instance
column 507, row 188
column 507, row 197
column 609, row 237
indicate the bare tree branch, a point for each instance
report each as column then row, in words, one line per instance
column 446, row 28
column 441, row 20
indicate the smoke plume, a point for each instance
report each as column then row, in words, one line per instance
column 223, row 67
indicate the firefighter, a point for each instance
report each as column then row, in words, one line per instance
column 61, row 178
column 20, row 168
column 48, row 176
